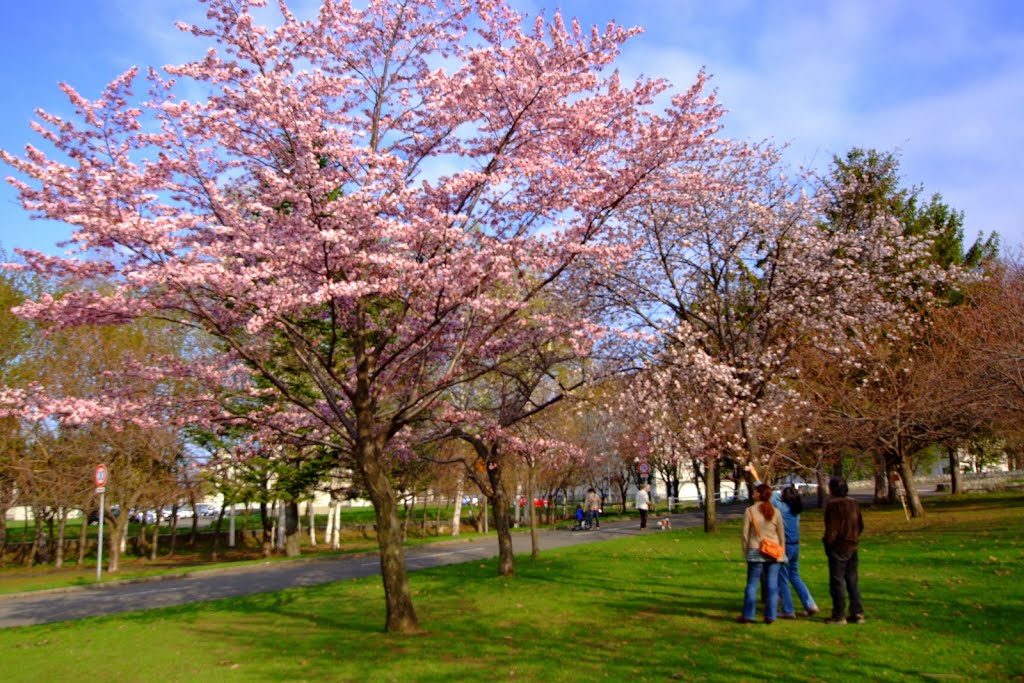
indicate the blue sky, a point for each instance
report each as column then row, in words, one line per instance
column 940, row 80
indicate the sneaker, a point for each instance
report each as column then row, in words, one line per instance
column 791, row 615
column 839, row 621
column 811, row 611
column 857, row 619
column 769, row 621
column 743, row 620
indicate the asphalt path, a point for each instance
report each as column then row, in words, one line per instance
column 41, row 607
column 118, row 597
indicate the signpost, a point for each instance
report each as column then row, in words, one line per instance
column 101, row 488
column 644, row 470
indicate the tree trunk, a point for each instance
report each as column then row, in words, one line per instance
column 502, row 518
column 154, row 544
column 3, row 532
column 710, row 524
column 892, row 470
column 62, row 522
column 457, row 515
column 118, row 529
column 955, row 485
column 882, row 488
column 36, row 552
column 336, row 538
column 268, row 528
column 83, row 536
column 330, row 534
column 281, row 525
column 312, row 522
column 401, row 617
column 292, row 535
column 913, row 500
column 193, row 535
column 173, row 523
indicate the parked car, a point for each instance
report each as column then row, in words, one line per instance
column 184, row 512
column 206, row 509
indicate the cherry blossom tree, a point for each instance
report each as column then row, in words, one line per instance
column 382, row 190
column 729, row 281
column 501, row 417
column 902, row 391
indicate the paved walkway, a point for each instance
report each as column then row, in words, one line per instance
column 24, row 609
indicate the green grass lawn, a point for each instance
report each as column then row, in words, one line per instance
column 944, row 599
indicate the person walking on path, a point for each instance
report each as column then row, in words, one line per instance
column 790, row 504
column 643, row 503
column 592, row 509
column 843, row 527
column 761, row 521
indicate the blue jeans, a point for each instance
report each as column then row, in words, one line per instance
column 789, row 573
column 754, row 570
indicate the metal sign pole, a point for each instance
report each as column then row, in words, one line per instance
column 99, row 548
column 101, row 488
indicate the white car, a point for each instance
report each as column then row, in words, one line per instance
column 184, row 512
column 206, row 509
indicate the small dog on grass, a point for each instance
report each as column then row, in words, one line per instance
column 665, row 524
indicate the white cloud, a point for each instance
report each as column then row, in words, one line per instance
column 942, row 81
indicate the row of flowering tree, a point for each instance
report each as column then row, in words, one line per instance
column 47, row 465
column 426, row 221
column 384, row 193
column 738, row 282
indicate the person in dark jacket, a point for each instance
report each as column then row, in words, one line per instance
column 843, row 527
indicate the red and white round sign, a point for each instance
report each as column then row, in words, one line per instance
column 101, row 475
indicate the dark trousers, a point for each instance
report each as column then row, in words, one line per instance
column 643, row 519
column 842, row 580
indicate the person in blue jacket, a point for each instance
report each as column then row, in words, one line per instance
column 790, row 504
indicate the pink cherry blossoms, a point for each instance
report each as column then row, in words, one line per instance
column 362, row 208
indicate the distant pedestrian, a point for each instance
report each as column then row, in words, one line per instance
column 592, row 509
column 643, row 503
column 843, row 527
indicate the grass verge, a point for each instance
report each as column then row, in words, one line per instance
column 944, row 600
